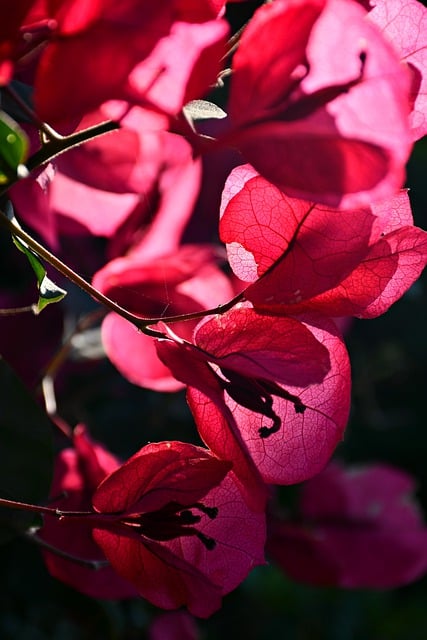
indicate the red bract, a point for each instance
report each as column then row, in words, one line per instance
column 70, row 207
column 30, row 198
column 404, row 23
column 300, row 256
column 161, row 55
column 185, row 281
column 198, row 11
column 358, row 527
column 77, row 473
column 319, row 102
column 9, row 37
column 173, row 527
column 269, row 393
column 127, row 160
column 125, row 186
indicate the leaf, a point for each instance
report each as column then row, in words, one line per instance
column 203, row 110
column 25, row 452
column 49, row 292
column 13, row 147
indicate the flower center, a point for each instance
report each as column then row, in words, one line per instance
column 257, row 395
column 174, row 521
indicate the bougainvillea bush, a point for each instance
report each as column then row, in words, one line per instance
column 205, row 195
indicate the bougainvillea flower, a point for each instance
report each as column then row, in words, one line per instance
column 269, row 393
column 171, row 521
column 300, row 256
column 77, row 473
column 404, row 23
column 185, row 281
column 122, row 161
column 127, row 186
column 321, row 125
column 357, row 527
column 161, row 55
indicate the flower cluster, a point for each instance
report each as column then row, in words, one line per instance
column 225, row 238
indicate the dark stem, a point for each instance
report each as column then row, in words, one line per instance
column 69, row 273
column 32, row 536
column 61, row 355
column 59, row 144
column 55, row 147
column 24, row 506
column 16, row 310
column 137, row 321
column 85, row 516
column 48, row 131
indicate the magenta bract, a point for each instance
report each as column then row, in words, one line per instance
column 78, row 471
column 305, row 257
column 185, row 281
column 173, row 518
column 321, row 126
column 404, row 24
column 276, row 415
column 160, row 55
column 358, row 528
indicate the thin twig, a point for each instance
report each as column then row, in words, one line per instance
column 14, row 311
column 32, row 536
column 57, row 146
column 48, row 131
column 141, row 323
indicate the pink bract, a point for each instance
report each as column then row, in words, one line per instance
column 358, row 528
column 127, row 187
column 404, row 23
column 173, row 519
column 321, row 126
column 160, row 55
column 183, row 282
column 276, row 414
column 304, row 257
column 77, row 473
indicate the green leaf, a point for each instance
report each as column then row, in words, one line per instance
column 26, row 457
column 13, row 148
column 49, row 292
